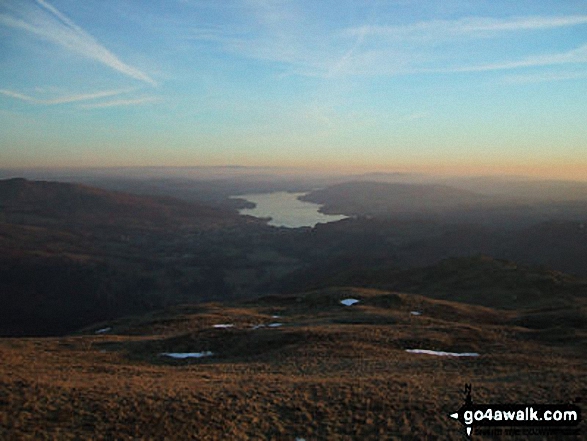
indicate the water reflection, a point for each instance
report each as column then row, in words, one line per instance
column 286, row 210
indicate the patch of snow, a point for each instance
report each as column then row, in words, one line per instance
column 103, row 330
column 224, row 325
column 275, row 316
column 187, row 354
column 442, row 354
column 300, row 439
column 258, row 326
column 349, row 302
column 415, row 313
column 275, row 325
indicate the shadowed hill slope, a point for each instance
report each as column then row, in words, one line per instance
column 480, row 280
column 42, row 202
column 71, row 255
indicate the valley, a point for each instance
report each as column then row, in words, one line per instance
column 131, row 316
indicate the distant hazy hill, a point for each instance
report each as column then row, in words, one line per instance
column 523, row 189
column 39, row 202
column 495, row 208
column 373, row 198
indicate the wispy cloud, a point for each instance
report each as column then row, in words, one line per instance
column 410, row 46
column 343, row 61
column 119, row 103
column 300, row 47
column 46, row 22
column 574, row 56
column 543, row 77
column 64, row 99
column 468, row 26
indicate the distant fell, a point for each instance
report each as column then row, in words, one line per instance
column 374, row 198
column 38, row 202
column 455, row 203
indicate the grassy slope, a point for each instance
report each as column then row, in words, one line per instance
column 330, row 372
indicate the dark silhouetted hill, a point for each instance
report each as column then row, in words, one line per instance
column 39, row 202
column 71, row 254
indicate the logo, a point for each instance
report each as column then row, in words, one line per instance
column 521, row 419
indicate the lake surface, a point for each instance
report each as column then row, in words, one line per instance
column 285, row 210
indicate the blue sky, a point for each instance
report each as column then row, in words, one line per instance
column 450, row 86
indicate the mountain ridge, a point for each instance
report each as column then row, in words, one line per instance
column 81, row 204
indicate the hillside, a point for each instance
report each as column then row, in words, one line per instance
column 303, row 366
column 452, row 204
column 45, row 203
column 479, row 280
column 71, row 255
column 376, row 198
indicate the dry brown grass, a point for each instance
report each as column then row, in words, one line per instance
column 328, row 373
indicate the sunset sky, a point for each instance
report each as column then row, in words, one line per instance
column 459, row 86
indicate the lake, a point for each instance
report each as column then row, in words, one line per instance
column 285, row 210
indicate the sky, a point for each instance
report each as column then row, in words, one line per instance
column 452, row 86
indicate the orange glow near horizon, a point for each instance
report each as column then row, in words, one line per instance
column 552, row 171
